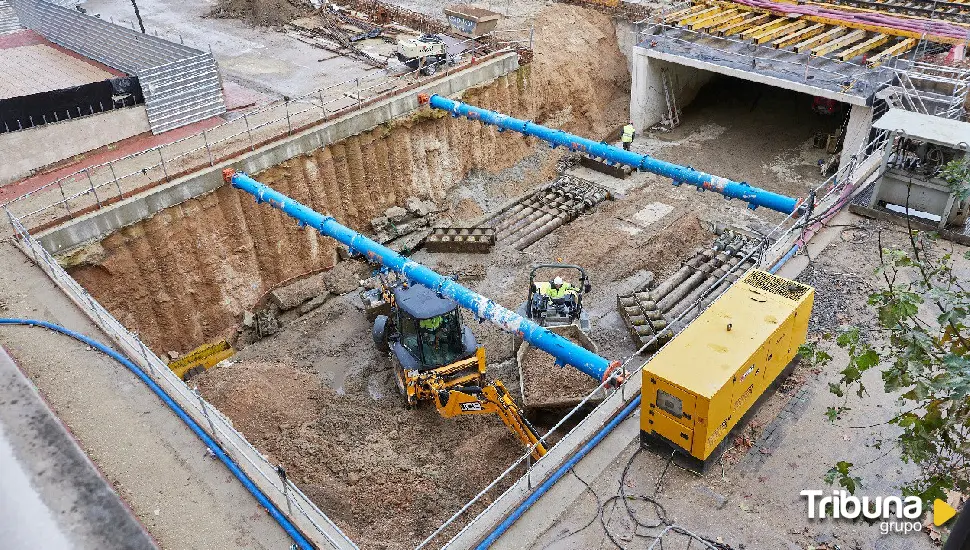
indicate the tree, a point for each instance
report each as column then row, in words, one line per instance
column 924, row 357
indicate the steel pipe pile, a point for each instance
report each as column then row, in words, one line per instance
column 754, row 196
column 484, row 309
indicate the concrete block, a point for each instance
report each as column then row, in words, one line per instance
column 396, row 214
column 314, row 303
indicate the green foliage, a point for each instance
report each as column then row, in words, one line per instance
column 956, row 174
column 923, row 311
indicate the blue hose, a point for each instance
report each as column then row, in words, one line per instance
column 541, row 489
column 285, row 523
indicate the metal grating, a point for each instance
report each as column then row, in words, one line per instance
column 8, row 18
column 776, row 285
column 181, row 84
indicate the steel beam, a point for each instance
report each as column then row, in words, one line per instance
column 754, row 196
column 565, row 351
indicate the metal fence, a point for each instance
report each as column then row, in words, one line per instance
column 173, row 76
column 313, row 523
column 97, row 186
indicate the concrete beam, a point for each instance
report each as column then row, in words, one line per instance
column 101, row 223
column 749, row 75
column 856, row 132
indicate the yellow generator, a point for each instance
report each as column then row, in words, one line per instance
column 698, row 387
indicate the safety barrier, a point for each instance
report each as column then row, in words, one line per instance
column 157, row 62
column 313, row 523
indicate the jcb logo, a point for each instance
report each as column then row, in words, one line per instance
column 471, row 406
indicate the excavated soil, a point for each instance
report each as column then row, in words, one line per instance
column 544, row 385
column 184, row 277
column 387, row 476
column 261, row 13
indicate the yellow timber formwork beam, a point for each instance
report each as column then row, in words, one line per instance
column 820, row 39
column 711, row 21
column 853, row 25
column 838, row 44
column 772, row 24
column 742, row 25
column 726, row 22
column 683, row 21
column 866, row 46
column 892, row 51
column 765, row 36
column 671, row 17
column 798, row 36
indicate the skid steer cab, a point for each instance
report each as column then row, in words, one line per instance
column 430, row 347
column 556, row 298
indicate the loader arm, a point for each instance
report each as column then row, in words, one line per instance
column 491, row 399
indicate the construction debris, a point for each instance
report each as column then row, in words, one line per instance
column 457, row 239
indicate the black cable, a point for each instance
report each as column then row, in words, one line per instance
column 599, row 512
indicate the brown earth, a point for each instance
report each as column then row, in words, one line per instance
column 183, row 277
column 261, row 13
column 545, row 385
column 386, row 475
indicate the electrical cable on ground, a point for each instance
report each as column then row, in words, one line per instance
column 284, row 522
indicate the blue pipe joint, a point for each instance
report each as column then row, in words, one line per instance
column 484, row 309
column 754, row 196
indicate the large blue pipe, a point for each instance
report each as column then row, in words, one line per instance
column 565, row 352
column 754, row 196
column 300, row 541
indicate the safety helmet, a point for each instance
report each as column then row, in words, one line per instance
column 557, row 281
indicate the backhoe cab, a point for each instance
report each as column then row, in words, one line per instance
column 437, row 359
column 427, row 340
column 548, row 306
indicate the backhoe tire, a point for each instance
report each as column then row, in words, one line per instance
column 379, row 333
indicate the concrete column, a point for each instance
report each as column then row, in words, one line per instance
column 856, row 133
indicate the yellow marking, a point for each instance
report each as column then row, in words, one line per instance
column 681, row 13
column 765, row 36
column 727, row 22
column 892, row 51
column 713, row 20
column 699, row 15
column 790, row 39
column 746, row 24
column 774, row 23
column 846, row 40
column 866, row 46
column 942, row 512
column 820, row 39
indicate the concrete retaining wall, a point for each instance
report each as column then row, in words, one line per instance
column 647, row 102
column 101, row 223
column 28, row 150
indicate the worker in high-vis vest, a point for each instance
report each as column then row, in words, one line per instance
column 629, row 132
column 559, row 289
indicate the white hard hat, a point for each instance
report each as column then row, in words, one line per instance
column 557, row 281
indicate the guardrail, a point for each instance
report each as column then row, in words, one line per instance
column 97, row 186
column 313, row 523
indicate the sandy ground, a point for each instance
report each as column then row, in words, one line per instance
column 161, row 470
column 753, row 501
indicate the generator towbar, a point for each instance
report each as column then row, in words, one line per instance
column 565, row 352
column 754, row 196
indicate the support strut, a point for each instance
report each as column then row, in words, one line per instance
column 754, row 196
column 565, row 351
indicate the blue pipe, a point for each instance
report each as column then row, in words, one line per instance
column 541, row 489
column 565, row 351
column 754, row 196
column 284, row 522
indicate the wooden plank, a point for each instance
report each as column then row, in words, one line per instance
column 774, row 23
column 798, row 36
column 713, row 20
column 746, row 24
column 842, row 42
column 820, row 39
column 765, row 36
column 699, row 15
column 892, row 51
column 736, row 18
column 681, row 13
column 866, row 46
